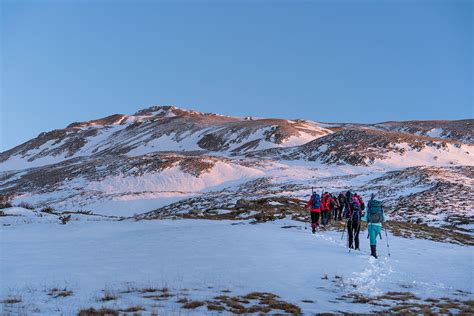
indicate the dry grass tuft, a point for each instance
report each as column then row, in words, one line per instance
column 149, row 290
column 55, row 292
column 133, row 309
column 193, row 304
column 215, row 307
column 108, row 296
column 12, row 300
column 100, row 312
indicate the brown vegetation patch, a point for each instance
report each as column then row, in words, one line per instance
column 255, row 302
column 108, row 296
column 215, row 307
column 423, row 231
column 98, row 312
column 408, row 303
column 193, row 304
column 12, row 300
column 133, row 309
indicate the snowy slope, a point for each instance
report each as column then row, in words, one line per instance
column 198, row 260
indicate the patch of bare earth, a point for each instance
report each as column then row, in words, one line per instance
column 407, row 303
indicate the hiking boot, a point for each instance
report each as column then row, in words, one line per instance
column 373, row 251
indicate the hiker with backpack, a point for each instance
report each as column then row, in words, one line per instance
column 341, row 202
column 333, row 206
column 362, row 204
column 314, row 206
column 374, row 217
column 353, row 213
column 325, row 208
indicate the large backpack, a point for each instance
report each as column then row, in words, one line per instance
column 355, row 208
column 316, row 201
column 375, row 213
column 325, row 203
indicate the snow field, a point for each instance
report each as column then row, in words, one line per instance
column 197, row 254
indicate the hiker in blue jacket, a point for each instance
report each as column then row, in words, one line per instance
column 374, row 217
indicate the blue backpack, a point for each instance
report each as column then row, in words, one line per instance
column 316, row 201
column 375, row 213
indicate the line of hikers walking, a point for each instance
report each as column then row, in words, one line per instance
column 351, row 207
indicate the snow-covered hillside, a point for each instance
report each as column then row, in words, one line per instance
column 132, row 164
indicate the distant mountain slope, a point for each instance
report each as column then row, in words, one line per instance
column 156, row 129
column 460, row 130
column 366, row 146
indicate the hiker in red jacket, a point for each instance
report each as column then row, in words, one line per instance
column 325, row 208
column 314, row 206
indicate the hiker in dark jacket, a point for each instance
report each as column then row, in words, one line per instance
column 341, row 202
column 374, row 216
column 314, row 206
column 333, row 206
column 353, row 213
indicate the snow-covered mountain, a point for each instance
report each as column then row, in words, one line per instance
column 163, row 155
column 159, row 128
column 110, row 180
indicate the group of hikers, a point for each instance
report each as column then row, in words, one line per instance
column 350, row 207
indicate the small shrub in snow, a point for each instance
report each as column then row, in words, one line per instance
column 215, row 307
column 108, row 296
column 2, row 213
column 193, row 304
column 12, row 300
column 149, row 290
column 98, row 312
column 55, row 292
column 133, row 309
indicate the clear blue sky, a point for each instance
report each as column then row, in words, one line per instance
column 359, row 61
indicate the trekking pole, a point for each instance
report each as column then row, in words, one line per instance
column 306, row 219
column 345, row 225
column 352, row 231
column 358, row 231
column 386, row 238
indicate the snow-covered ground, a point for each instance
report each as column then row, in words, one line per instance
column 199, row 259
